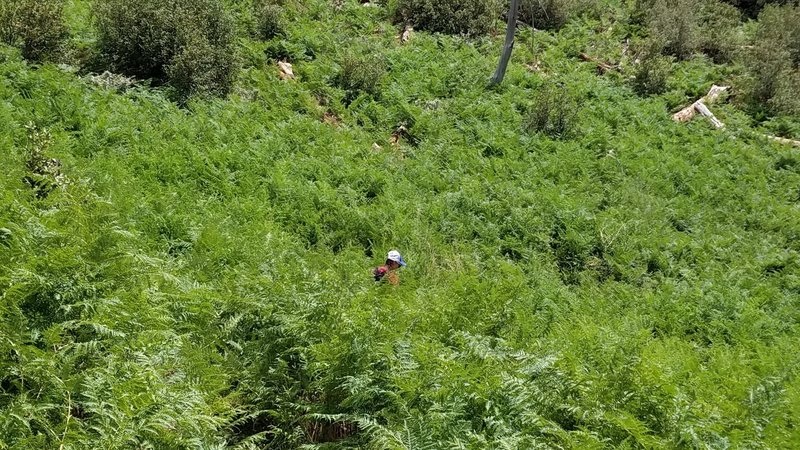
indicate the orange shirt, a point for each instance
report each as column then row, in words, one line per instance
column 391, row 276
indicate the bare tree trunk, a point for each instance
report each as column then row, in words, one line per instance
column 511, row 28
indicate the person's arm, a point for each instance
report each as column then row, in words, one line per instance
column 394, row 279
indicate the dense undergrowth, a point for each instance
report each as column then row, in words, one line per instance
column 198, row 275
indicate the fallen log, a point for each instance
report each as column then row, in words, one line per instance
column 700, row 107
column 703, row 109
column 687, row 113
column 781, row 140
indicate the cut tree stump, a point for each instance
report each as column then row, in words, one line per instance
column 687, row 113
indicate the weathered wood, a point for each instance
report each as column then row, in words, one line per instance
column 714, row 93
column 699, row 106
column 602, row 66
column 687, row 113
column 703, row 109
column 782, row 140
column 286, row 72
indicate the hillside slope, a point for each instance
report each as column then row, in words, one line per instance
column 200, row 276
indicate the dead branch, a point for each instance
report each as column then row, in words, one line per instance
column 602, row 66
column 781, row 140
column 331, row 119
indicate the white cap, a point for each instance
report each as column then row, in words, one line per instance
column 394, row 255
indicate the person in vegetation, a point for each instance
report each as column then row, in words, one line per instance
column 389, row 270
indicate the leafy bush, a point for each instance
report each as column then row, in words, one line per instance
column 673, row 24
column 269, row 20
column 553, row 113
column 551, row 14
column 35, row 26
column 472, row 17
column 773, row 64
column 753, row 7
column 651, row 74
column 360, row 74
column 187, row 43
column 719, row 38
column 786, row 99
column 684, row 27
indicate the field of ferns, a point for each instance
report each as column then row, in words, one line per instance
column 186, row 247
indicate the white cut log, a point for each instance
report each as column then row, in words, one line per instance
column 688, row 112
column 703, row 109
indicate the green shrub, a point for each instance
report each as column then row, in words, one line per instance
column 720, row 38
column 786, row 99
column 269, row 20
column 651, row 74
column 773, row 63
column 780, row 26
column 202, row 68
column 551, row 14
column 752, row 7
column 684, row 27
column 553, row 113
column 472, row 17
column 674, row 25
column 187, row 43
column 360, row 74
column 35, row 26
